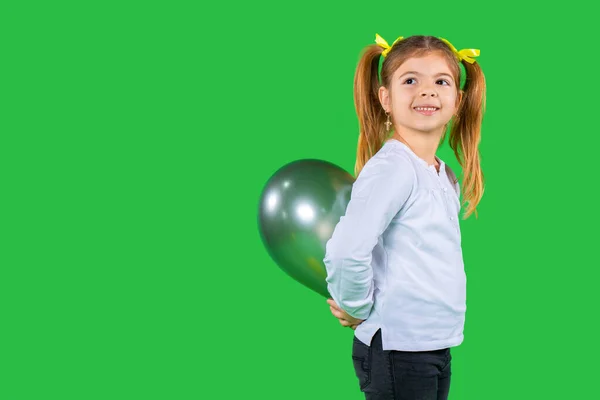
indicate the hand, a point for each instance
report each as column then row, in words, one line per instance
column 345, row 319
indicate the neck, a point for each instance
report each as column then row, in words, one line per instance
column 424, row 145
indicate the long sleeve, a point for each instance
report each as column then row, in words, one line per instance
column 378, row 194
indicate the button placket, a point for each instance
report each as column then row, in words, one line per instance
column 445, row 196
column 447, row 205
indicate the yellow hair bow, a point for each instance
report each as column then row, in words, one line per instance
column 383, row 44
column 464, row 54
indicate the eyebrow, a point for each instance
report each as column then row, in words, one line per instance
column 436, row 75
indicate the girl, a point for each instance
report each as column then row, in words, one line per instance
column 394, row 262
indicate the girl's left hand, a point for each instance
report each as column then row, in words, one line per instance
column 345, row 319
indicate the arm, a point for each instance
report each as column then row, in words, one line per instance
column 378, row 193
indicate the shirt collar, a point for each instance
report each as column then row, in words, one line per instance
column 419, row 159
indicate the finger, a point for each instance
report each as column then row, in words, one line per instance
column 340, row 313
column 343, row 313
column 335, row 312
column 346, row 322
column 348, row 318
column 333, row 304
column 353, row 320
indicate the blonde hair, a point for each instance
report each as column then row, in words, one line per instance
column 465, row 133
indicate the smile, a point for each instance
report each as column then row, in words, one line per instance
column 426, row 110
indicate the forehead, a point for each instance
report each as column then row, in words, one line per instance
column 430, row 64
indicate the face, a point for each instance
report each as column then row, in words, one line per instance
column 422, row 95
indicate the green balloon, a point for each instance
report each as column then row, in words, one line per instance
column 299, row 208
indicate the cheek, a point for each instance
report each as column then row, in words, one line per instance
column 402, row 101
column 450, row 99
column 401, row 107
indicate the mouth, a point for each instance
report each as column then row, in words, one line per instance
column 426, row 110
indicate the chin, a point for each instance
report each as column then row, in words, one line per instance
column 429, row 129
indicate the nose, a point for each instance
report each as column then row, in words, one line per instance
column 427, row 90
column 428, row 93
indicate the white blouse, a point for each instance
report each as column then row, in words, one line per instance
column 395, row 257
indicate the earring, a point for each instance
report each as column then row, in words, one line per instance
column 388, row 123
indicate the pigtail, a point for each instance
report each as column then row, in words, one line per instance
column 370, row 113
column 466, row 135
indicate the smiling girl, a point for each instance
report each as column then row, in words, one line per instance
column 394, row 263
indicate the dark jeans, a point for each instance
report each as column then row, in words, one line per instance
column 401, row 375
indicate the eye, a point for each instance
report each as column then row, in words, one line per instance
column 409, row 81
column 444, row 81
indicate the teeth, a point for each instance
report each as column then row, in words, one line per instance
column 425, row 108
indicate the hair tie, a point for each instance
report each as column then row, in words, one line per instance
column 464, row 54
column 383, row 44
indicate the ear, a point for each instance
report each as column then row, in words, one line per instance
column 459, row 100
column 384, row 98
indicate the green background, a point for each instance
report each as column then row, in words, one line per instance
column 137, row 137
